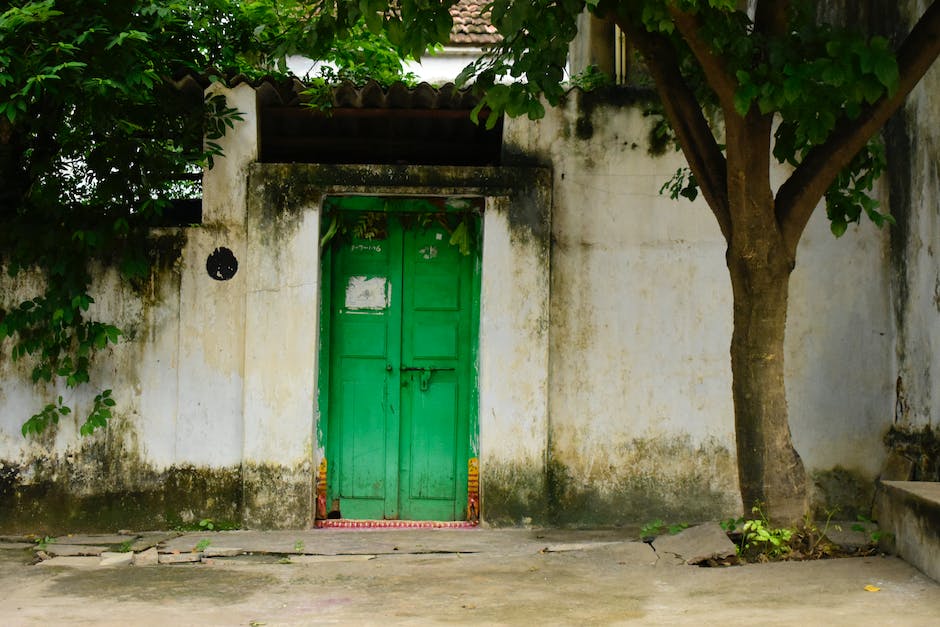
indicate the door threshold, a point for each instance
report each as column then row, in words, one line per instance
column 345, row 523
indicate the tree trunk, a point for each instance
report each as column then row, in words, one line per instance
column 770, row 470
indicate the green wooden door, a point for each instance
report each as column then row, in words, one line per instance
column 402, row 308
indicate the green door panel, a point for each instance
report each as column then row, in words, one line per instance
column 364, row 330
column 400, row 358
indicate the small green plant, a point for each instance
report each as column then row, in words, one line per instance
column 869, row 526
column 203, row 544
column 731, row 524
column 125, row 547
column 299, row 546
column 653, row 528
column 206, row 524
column 758, row 535
column 43, row 543
column 590, row 79
column 658, row 527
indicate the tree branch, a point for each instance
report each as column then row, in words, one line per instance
column 798, row 196
column 713, row 66
column 686, row 118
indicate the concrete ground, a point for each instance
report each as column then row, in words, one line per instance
column 419, row 577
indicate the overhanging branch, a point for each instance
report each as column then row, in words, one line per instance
column 798, row 196
column 713, row 65
column 685, row 115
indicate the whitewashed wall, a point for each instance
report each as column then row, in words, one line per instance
column 641, row 407
column 915, row 190
column 604, row 369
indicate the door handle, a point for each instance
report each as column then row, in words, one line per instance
column 425, row 380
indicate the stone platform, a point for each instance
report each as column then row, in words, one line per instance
column 910, row 512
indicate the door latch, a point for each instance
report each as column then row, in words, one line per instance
column 424, row 381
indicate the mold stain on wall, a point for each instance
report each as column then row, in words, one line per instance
column 652, row 478
column 643, row 479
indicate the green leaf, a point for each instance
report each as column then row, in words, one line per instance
column 886, row 69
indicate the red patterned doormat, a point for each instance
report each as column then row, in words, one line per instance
column 341, row 523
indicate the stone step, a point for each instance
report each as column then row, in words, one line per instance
column 910, row 512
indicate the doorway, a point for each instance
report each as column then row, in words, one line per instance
column 398, row 389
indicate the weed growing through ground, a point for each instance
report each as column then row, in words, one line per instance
column 658, row 527
column 867, row 525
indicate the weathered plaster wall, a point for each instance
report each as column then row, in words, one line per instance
column 172, row 453
column 132, row 473
column 640, row 402
column 514, row 358
column 913, row 137
column 605, row 384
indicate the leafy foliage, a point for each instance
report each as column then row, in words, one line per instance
column 96, row 141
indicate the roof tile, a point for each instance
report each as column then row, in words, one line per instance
column 471, row 24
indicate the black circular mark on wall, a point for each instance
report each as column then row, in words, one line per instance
column 221, row 264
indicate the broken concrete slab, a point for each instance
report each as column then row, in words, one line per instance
column 74, row 550
column 324, row 559
column 96, row 539
column 179, row 558
column 221, row 551
column 576, row 546
column 72, row 561
column 697, row 544
column 633, row 553
column 148, row 557
column 150, row 539
column 111, row 558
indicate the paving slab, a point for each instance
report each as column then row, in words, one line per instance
column 150, row 539
column 697, row 544
column 179, row 558
column 95, row 539
column 72, row 550
column 507, row 581
column 576, row 546
column 222, row 551
column 11, row 546
column 111, row 558
column 329, row 559
column 147, row 557
column 72, row 561
column 392, row 541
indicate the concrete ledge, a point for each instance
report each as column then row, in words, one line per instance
column 910, row 510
